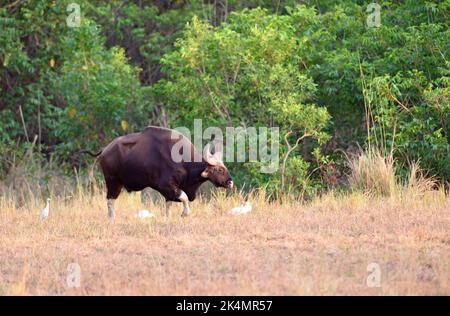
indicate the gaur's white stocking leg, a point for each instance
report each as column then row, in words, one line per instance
column 183, row 198
column 168, row 203
column 111, row 213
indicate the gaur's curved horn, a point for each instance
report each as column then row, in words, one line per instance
column 215, row 159
column 218, row 155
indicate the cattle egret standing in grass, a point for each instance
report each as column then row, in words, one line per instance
column 45, row 210
column 244, row 209
column 145, row 214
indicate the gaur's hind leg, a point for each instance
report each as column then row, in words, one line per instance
column 168, row 203
column 111, row 212
column 114, row 188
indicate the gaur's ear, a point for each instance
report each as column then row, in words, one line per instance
column 204, row 174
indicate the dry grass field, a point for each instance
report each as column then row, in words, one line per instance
column 322, row 247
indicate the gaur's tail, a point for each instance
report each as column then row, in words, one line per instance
column 91, row 153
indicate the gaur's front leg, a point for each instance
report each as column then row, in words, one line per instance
column 173, row 195
column 172, row 192
column 184, row 199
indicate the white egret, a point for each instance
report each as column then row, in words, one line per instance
column 45, row 211
column 144, row 214
column 244, row 209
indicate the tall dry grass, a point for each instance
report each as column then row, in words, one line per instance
column 418, row 183
column 374, row 173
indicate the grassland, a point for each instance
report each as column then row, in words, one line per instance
column 320, row 247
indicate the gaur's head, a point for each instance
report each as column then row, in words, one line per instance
column 215, row 171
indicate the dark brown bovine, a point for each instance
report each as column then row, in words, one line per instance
column 140, row 160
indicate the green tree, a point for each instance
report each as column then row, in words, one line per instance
column 244, row 73
column 102, row 92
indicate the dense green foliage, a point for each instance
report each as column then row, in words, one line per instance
column 315, row 70
column 243, row 73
